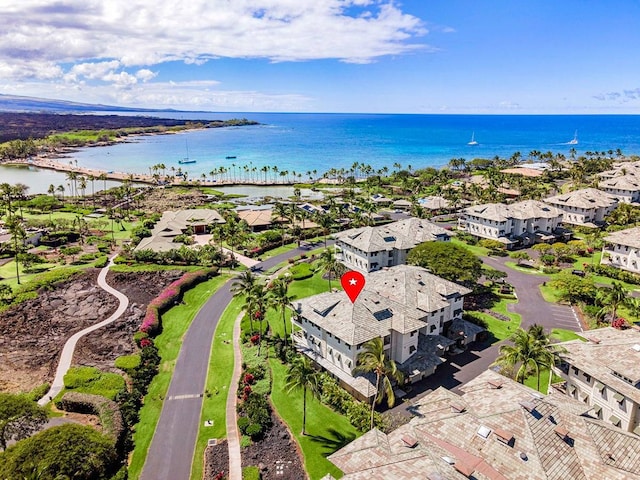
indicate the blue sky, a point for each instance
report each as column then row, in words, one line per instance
column 377, row 56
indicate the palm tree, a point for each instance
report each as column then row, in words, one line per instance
column 528, row 351
column 242, row 287
column 330, row 264
column 18, row 235
column 613, row 297
column 302, row 375
column 373, row 359
column 279, row 298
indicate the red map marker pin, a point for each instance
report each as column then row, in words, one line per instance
column 353, row 283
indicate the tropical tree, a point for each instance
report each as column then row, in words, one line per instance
column 447, row 260
column 242, row 287
column 18, row 235
column 279, row 298
column 330, row 264
column 372, row 359
column 302, row 375
column 530, row 349
column 612, row 298
column 326, row 221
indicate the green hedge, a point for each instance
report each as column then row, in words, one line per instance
column 107, row 410
column 93, row 381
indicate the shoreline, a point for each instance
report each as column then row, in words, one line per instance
column 52, row 162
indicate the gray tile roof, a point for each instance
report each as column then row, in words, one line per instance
column 584, row 198
column 394, row 298
column 629, row 182
column 402, row 235
column 610, row 350
column 629, row 237
column 519, row 210
column 526, row 436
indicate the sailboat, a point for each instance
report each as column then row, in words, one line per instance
column 186, row 160
column 575, row 139
column 473, row 139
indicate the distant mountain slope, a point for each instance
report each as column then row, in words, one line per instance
column 15, row 103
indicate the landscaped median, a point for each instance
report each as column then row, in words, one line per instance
column 175, row 323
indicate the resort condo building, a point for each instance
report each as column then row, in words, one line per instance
column 622, row 249
column 586, row 207
column 626, row 187
column 604, row 373
column 368, row 249
column 517, row 224
column 418, row 315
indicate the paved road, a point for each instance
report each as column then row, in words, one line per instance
column 171, row 451
column 69, row 347
column 531, row 305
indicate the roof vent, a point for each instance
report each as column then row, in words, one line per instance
column 561, row 431
column 464, row 469
column 636, row 347
column 504, row 436
column 449, row 460
column 457, row 408
column 409, row 441
column 523, row 457
column 495, row 384
column 595, row 340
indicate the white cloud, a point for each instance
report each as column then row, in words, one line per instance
column 145, row 74
column 146, row 32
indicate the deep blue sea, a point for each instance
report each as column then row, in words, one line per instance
column 308, row 142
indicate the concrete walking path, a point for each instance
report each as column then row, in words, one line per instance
column 69, row 347
column 233, row 436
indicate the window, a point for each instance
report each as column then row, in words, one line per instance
column 587, row 377
column 575, row 370
column 432, row 328
column 413, row 334
column 412, row 349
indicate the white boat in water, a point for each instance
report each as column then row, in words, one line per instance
column 575, row 139
column 473, row 139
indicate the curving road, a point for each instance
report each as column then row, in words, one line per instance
column 69, row 347
column 171, row 452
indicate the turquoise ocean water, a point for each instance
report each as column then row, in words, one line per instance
column 307, row 142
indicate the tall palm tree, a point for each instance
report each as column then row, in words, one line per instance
column 528, row 351
column 279, row 298
column 330, row 264
column 18, row 235
column 372, row 359
column 302, row 375
column 613, row 298
column 242, row 287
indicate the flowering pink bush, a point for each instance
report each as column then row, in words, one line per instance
column 146, row 342
column 248, row 379
column 168, row 297
column 255, row 339
column 619, row 323
column 247, row 392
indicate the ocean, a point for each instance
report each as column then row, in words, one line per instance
column 304, row 143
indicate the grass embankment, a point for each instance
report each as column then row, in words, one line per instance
column 475, row 249
column 327, row 431
column 175, row 323
column 500, row 329
column 214, row 403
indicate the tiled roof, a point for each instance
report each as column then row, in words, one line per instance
column 401, row 235
column 629, row 182
column 519, row 210
column 610, row 350
column 622, row 168
column 394, row 298
column 583, row 198
column 488, row 433
column 629, row 237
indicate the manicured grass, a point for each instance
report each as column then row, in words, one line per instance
column 8, row 273
column 478, row 251
column 175, row 323
column 500, row 329
column 520, row 268
column 532, row 381
column 551, row 295
column 217, row 387
column 327, row 431
column 589, row 260
column 143, row 267
column 562, row 335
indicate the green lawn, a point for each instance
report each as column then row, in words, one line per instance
column 217, row 387
column 327, row 431
column 520, row 268
column 478, row 251
column 175, row 323
column 500, row 329
column 562, row 335
column 8, row 273
column 532, row 381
